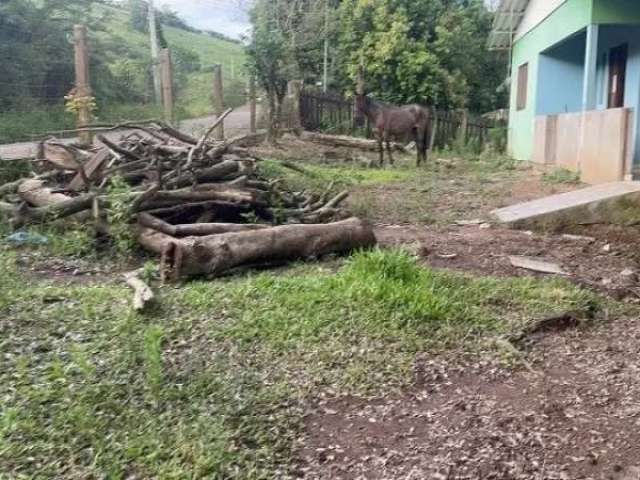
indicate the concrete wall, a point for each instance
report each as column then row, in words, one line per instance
column 569, row 18
column 610, row 37
column 593, row 143
column 560, row 77
column 602, row 150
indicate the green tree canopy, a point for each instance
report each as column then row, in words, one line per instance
column 427, row 51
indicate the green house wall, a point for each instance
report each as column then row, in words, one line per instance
column 616, row 11
column 571, row 17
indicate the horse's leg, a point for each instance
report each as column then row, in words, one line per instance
column 418, row 137
column 391, row 161
column 380, row 148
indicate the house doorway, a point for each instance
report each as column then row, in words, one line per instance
column 617, row 73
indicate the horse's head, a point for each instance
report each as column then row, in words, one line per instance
column 362, row 102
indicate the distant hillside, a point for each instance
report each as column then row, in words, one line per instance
column 195, row 88
column 38, row 60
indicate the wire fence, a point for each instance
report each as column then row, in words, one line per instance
column 39, row 71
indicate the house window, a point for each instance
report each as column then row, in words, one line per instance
column 523, row 81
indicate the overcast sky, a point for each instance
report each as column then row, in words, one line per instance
column 224, row 16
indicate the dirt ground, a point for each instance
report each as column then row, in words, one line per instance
column 603, row 261
column 570, row 409
column 571, row 412
column 574, row 414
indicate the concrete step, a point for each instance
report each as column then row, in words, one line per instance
column 617, row 202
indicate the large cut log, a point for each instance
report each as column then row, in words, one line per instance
column 194, row 229
column 217, row 254
column 344, row 141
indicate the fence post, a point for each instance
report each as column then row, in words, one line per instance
column 434, row 129
column 464, row 124
column 167, row 84
column 295, row 96
column 252, row 104
column 83, row 87
column 218, row 100
column 359, row 119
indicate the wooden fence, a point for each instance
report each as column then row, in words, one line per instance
column 326, row 112
column 332, row 113
column 458, row 126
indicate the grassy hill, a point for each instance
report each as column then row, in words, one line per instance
column 193, row 95
column 125, row 53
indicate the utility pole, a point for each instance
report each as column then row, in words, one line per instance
column 325, row 80
column 155, row 53
column 83, row 89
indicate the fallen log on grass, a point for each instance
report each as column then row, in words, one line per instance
column 344, row 141
column 216, row 254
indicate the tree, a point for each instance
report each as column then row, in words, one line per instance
column 269, row 56
column 139, row 13
column 426, row 51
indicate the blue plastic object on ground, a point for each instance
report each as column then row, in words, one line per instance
column 27, row 238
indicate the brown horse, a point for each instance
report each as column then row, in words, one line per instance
column 389, row 122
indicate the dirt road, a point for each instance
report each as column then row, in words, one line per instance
column 236, row 123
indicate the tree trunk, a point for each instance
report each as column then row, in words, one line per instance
column 217, row 254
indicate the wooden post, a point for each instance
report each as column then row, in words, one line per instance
column 464, row 124
column 156, row 68
column 359, row 119
column 218, row 100
column 167, row 84
column 252, row 104
column 434, row 129
column 295, row 97
column 83, row 88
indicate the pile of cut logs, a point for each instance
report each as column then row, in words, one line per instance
column 203, row 206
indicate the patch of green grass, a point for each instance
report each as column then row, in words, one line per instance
column 319, row 177
column 14, row 170
column 561, row 176
column 34, row 120
column 210, row 383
